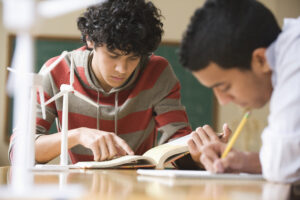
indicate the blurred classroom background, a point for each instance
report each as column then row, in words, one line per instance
column 176, row 14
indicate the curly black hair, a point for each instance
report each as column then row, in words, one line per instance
column 131, row 26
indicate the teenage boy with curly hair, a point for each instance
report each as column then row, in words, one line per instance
column 236, row 48
column 137, row 92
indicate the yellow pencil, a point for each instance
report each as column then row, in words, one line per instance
column 235, row 135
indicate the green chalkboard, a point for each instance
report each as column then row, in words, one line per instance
column 197, row 99
column 48, row 48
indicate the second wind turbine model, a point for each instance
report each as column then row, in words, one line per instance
column 65, row 90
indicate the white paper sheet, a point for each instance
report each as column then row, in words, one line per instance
column 197, row 174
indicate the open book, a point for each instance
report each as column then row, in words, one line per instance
column 157, row 157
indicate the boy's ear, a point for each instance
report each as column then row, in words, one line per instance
column 259, row 61
column 89, row 43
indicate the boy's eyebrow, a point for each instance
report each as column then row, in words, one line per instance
column 216, row 85
column 118, row 54
column 112, row 52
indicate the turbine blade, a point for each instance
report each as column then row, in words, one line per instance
column 11, row 70
column 58, row 95
column 42, row 98
column 46, row 70
column 72, row 71
column 84, row 98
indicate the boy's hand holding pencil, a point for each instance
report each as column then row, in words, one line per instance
column 213, row 153
column 203, row 136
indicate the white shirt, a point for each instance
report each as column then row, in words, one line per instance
column 280, row 152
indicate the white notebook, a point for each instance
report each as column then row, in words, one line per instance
column 197, row 174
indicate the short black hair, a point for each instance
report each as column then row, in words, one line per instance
column 227, row 32
column 131, row 26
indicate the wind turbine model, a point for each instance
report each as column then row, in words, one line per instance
column 28, row 11
column 65, row 89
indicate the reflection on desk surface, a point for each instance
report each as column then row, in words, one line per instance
column 126, row 184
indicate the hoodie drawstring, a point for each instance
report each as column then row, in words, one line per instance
column 98, row 112
column 116, row 112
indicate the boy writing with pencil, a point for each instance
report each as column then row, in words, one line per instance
column 236, row 48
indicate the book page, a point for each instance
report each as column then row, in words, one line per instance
column 180, row 141
column 115, row 163
column 162, row 152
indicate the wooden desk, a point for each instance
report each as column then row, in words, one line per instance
column 126, row 184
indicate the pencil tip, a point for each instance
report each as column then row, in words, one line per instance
column 247, row 114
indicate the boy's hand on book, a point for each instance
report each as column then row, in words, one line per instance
column 203, row 136
column 104, row 145
column 210, row 158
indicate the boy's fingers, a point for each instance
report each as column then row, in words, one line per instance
column 192, row 146
column 211, row 152
column 210, row 133
column 194, row 151
column 111, row 146
column 196, row 138
column 203, row 135
column 120, row 151
column 103, row 149
column 218, row 166
column 226, row 161
column 96, row 152
column 207, row 163
column 226, row 133
column 227, row 130
column 123, row 145
column 232, row 161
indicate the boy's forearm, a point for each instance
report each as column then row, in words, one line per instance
column 47, row 147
